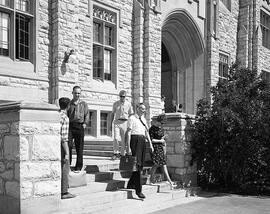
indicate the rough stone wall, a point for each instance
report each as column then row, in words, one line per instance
column 178, row 148
column 225, row 39
column 27, row 80
column 30, row 169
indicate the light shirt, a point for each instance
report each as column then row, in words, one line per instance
column 122, row 110
column 136, row 126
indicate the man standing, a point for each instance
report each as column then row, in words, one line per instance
column 122, row 109
column 78, row 119
column 137, row 133
column 64, row 126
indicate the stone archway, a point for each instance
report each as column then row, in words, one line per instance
column 182, row 77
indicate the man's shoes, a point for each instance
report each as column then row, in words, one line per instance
column 140, row 195
column 67, row 195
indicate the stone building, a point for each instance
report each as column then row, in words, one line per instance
column 178, row 48
column 175, row 48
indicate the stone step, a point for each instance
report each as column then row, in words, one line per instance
column 131, row 204
column 101, row 186
column 108, row 142
column 89, row 200
column 99, row 147
column 106, row 167
column 98, row 153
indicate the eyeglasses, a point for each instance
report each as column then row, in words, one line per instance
column 123, row 96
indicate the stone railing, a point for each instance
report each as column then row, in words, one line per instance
column 30, row 169
column 178, row 152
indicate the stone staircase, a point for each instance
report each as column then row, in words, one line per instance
column 98, row 148
column 106, row 192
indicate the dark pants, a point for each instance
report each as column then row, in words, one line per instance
column 76, row 132
column 64, row 171
column 138, row 147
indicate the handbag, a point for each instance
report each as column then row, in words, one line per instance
column 77, row 178
column 128, row 163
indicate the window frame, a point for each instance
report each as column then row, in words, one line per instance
column 12, row 11
column 108, row 134
column 113, row 48
column 265, row 29
column 91, row 128
column 222, row 63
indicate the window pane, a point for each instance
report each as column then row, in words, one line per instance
column 89, row 130
column 223, row 65
column 97, row 62
column 104, row 117
column 5, row 2
column 108, row 36
column 265, row 26
column 23, row 5
column 107, row 64
column 22, row 37
column 4, row 32
column 97, row 32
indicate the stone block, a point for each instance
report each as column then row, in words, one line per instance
column 7, row 175
column 45, row 188
column 46, row 147
column 11, row 147
column 24, row 149
column 14, row 128
column 17, row 171
column 13, row 189
column 26, row 189
column 38, row 170
column 181, row 171
column 4, row 128
column 2, row 190
column 175, row 161
column 2, row 167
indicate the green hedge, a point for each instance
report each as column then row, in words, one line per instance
column 231, row 138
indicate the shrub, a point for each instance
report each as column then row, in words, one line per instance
column 231, row 138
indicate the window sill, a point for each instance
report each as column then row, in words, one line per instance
column 100, row 138
column 104, row 86
column 19, row 69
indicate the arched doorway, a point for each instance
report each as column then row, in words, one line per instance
column 182, row 76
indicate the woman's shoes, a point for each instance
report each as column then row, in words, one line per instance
column 173, row 185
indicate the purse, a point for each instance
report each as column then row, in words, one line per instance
column 77, row 179
column 128, row 163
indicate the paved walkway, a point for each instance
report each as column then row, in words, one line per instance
column 222, row 204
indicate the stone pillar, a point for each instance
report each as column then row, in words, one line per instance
column 138, row 52
column 152, row 59
column 178, row 152
column 30, row 169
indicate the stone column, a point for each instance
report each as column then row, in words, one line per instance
column 152, row 59
column 178, row 152
column 30, row 169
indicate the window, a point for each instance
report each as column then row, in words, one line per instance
column 223, row 66
column 104, row 123
column 266, row 75
column 104, row 43
column 227, row 4
column 90, row 128
column 16, row 29
column 265, row 26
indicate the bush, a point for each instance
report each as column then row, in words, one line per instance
column 231, row 138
